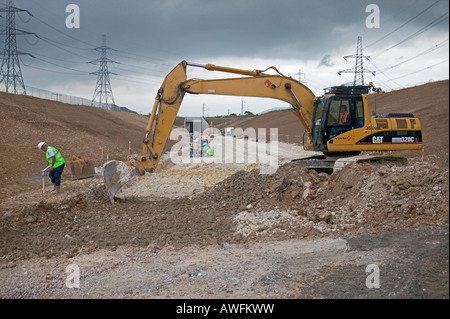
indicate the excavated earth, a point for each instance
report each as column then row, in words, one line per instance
column 218, row 230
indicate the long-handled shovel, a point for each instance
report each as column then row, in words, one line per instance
column 40, row 178
column 43, row 183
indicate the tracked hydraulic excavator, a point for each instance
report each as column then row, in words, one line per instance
column 338, row 124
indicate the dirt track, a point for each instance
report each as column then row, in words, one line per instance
column 225, row 230
column 412, row 264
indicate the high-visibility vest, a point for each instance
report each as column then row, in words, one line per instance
column 195, row 146
column 344, row 117
column 59, row 160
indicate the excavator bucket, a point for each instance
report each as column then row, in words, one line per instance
column 80, row 168
column 117, row 174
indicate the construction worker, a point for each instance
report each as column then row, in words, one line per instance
column 195, row 146
column 56, row 165
column 344, row 114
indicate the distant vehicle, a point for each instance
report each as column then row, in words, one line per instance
column 205, row 148
column 205, row 143
column 377, row 91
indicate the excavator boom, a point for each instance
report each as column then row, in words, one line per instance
column 256, row 84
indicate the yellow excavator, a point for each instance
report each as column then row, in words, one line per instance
column 338, row 124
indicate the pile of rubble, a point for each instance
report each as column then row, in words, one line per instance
column 360, row 198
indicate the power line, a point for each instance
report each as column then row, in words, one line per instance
column 52, row 71
column 429, row 67
column 429, row 50
column 385, row 75
column 143, row 58
column 52, row 42
column 63, row 46
column 150, row 59
column 58, row 59
column 136, row 80
column 63, row 33
column 432, row 24
column 103, row 89
column 63, row 67
column 58, row 44
column 398, row 28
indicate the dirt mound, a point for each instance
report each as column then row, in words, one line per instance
column 360, row 198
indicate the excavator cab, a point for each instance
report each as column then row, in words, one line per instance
column 339, row 111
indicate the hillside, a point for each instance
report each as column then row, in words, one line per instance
column 429, row 103
column 289, row 127
column 72, row 129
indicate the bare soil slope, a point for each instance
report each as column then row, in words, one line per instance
column 429, row 103
column 72, row 129
column 289, row 127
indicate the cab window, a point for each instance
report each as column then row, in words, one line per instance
column 339, row 112
column 359, row 113
column 317, row 123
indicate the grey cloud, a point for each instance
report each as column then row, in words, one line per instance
column 166, row 32
column 326, row 61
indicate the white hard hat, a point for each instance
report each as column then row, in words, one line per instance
column 40, row 145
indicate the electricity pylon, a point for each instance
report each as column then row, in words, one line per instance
column 358, row 70
column 103, row 87
column 10, row 72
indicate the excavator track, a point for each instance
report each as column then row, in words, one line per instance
column 332, row 164
column 371, row 159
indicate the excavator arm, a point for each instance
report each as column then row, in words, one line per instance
column 254, row 83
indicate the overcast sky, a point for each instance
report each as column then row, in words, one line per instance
column 149, row 38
